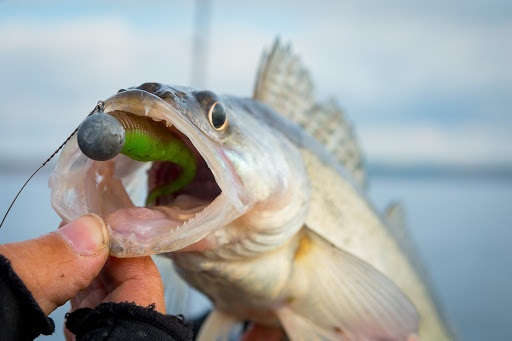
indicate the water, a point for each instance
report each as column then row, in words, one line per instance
column 462, row 229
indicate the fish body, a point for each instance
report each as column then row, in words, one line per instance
column 276, row 228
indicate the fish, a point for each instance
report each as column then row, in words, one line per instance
column 276, row 228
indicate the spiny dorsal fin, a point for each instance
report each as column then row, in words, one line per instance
column 395, row 217
column 285, row 84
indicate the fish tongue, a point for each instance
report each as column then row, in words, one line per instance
column 141, row 224
column 139, row 220
column 137, row 231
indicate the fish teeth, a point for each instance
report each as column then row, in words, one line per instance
column 156, row 119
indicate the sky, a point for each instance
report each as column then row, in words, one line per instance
column 422, row 83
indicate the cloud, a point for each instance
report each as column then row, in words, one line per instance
column 52, row 75
column 416, row 81
column 401, row 57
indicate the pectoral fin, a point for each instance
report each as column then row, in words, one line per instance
column 337, row 296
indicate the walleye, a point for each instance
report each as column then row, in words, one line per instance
column 274, row 227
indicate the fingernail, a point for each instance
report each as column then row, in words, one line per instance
column 87, row 235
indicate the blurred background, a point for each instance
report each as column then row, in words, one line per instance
column 428, row 87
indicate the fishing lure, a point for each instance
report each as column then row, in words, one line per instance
column 103, row 136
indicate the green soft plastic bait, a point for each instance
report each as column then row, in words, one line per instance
column 102, row 136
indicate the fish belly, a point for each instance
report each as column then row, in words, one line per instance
column 247, row 289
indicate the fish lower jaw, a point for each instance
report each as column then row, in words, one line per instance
column 180, row 223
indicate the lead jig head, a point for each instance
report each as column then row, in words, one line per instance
column 101, row 136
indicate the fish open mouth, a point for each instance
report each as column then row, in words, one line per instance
column 173, row 221
column 202, row 190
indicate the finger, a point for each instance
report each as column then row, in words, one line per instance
column 134, row 280
column 90, row 297
column 56, row 266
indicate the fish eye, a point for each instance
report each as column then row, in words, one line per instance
column 217, row 116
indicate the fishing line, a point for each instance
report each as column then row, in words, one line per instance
column 98, row 107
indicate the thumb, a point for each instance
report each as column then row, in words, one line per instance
column 56, row 266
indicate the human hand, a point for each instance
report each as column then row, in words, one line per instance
column 56, row 266
column 124, row 280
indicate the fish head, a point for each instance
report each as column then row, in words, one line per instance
column 244, row 171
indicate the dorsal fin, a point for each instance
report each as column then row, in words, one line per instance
column 395, row 217
column 396, row 221
column 285, row 84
